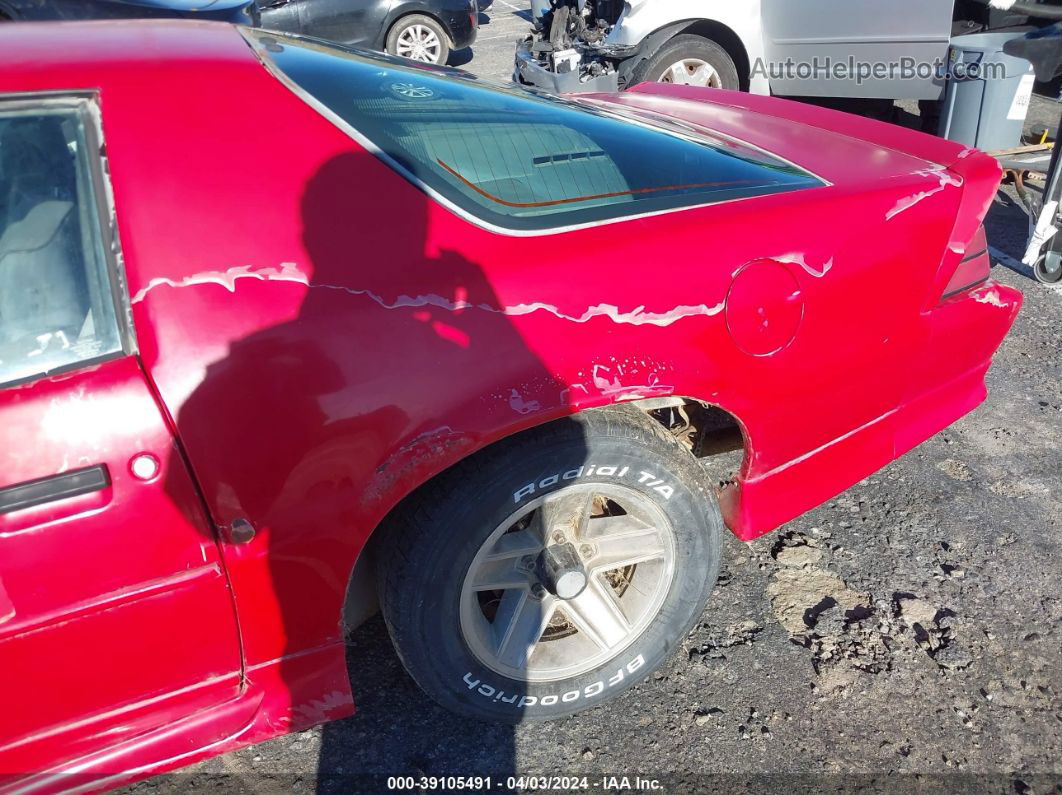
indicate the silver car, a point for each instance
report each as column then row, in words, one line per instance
column 823, row 48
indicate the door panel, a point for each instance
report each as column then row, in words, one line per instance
column 114, row 605
column 356, row 22
column 116, row 596
column 858, row 32
column 282, row 15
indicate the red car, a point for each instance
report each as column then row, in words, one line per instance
column 478, row 345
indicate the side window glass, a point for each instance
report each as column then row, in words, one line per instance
column 56, row 296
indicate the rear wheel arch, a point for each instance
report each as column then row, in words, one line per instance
column 708, row 432
column 709, row 29
column 729, row 41
column 411, row 10
column 442, row 590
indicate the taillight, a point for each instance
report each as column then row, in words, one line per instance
column 974, row 267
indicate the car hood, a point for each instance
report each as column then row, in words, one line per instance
column 838, row 147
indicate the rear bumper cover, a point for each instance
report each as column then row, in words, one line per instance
column 461, row 24
column 947, row 381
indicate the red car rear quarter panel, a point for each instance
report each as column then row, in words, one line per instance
column 312, row 409
column 326, row 338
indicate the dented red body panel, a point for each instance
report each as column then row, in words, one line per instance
column 321, row 338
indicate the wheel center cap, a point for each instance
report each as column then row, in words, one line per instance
column 561, row 572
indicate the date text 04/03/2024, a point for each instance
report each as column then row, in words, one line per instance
column 525, row 783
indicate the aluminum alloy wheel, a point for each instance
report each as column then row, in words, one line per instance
column 518, row 629
column 419, row 43
column 692, row 72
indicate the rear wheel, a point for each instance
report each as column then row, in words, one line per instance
column 546, row 576
column 690, row 60
column 419, row 38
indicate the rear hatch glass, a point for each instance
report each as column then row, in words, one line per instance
column 515, row 159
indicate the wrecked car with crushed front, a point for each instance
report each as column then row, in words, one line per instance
column 815, row 48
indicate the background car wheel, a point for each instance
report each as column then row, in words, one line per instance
column 547, row 575
column 419, row 38
column 690, row 60
column 1042, row 274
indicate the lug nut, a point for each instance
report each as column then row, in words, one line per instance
column 538, row 591
column 558, row 537
column 586, row 550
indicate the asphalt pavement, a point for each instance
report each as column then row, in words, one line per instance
column 500, row 26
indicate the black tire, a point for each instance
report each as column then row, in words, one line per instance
column 688, row 46
column 431, row 542
column 410, row 21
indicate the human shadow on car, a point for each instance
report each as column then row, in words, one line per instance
column 397, row 363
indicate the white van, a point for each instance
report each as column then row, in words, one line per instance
column 812, row 48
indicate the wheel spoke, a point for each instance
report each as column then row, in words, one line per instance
column 678, row 74
column 500, row 568
column 499, row 574
column 518, row 625
column 702, row 75
column 597, row 614
column 622, row 541
column 568, row 510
